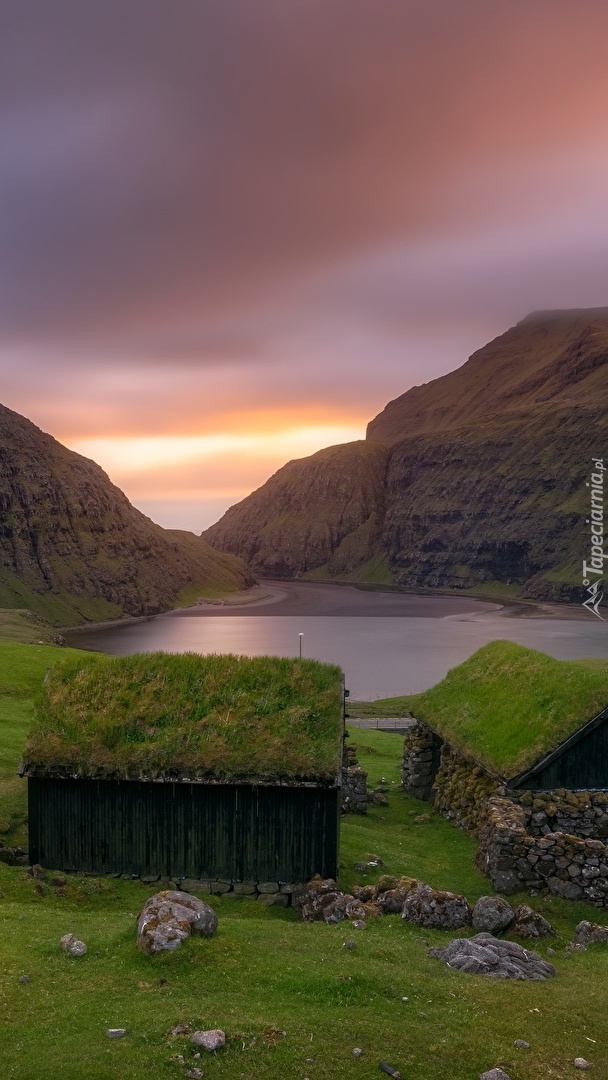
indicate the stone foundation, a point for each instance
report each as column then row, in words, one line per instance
column 284, row 894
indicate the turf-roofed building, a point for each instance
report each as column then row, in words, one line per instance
column 218, row 768
column 513, row 745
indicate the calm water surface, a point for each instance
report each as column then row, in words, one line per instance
column 381, row 655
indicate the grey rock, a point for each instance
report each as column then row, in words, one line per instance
column 530, row 924
column 586, row 933
column 433, row 907
column 568, row 889
column 219, row 887
column 24, row 979
column 196, row 885
column 209, row 1040
column 521, row 1044
column 359, row 924
column 581, row 1063
column 494, row 1074
column 169, row 917
column 194, row 1074
column 116, row 1033
column 268, row 886
column 357, row 1052
column 492, row 914
column 506, row 881
column 350, row 945
column 245, row 888
column 72, row 946
column 495, row 958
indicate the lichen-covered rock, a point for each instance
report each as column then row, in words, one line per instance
column 528, row 923
column 169, row 917
column 492, row 914
column 587, row 933
column 494, row 957
column 435, row 908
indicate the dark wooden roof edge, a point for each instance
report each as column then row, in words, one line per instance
column 34, row 772
column 520, row 778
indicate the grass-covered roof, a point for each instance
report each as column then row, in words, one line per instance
column 188, row 716
column 507, row 706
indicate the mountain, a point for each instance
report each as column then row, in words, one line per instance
column 476, row 479
column 72, row 547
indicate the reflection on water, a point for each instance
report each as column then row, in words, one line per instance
column 381, row 657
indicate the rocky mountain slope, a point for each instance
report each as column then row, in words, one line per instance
column 72, row 547
column 474, row 479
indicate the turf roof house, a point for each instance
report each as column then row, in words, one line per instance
column 514, row 745
column 222, row 769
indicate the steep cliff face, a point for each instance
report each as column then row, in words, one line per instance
column 72, row 546
column 483, row 477
column 327, row 509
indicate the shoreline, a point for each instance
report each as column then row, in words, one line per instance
column 275, row 591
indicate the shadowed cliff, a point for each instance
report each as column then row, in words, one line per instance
column 72, row 547
column 478, row 477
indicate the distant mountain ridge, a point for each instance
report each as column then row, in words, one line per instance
column 476, row 478
column 72, row 547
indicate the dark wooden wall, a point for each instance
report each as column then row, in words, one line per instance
column 582, row 765
column 237, row 832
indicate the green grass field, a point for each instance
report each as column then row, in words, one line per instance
column 266, row 972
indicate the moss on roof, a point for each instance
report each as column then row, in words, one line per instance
column 157, row 714
column 507, row 706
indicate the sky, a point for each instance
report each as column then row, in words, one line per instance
column 231, row 231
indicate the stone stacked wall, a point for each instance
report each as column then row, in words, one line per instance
column 555, row 840
column 354, row 783
column 571, row 866
column 460, row 789
column 417, row 773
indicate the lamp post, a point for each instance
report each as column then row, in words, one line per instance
column 300, row 636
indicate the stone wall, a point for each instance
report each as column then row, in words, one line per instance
column 584, row 813
column 571, row 866
column 417, row 771
column 460, row 789
column 354, row 783
column 555, row 840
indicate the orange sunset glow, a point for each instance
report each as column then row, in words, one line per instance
column 232, row 232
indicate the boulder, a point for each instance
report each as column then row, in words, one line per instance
column 435, row 908
column 492, row 914
column 586, row 933
column 169, row 917
column 495, row 958
column 528, row 923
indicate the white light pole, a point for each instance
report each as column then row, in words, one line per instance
column 300, row 636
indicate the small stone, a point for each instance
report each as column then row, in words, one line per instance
column 405, row 999
column 350, row 945
column 116, row 1033
column 178, row 1058
column 194, row 1074
column 209, row 1040
column 494, row 1074
column 521, row 1044
column 357, row 1052
column 580, row 1063
column 359, row 924
column 72, row 945
column 24, row 979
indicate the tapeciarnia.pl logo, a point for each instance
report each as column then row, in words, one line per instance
column 594, row 585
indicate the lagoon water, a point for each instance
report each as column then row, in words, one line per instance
column 403, row 651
